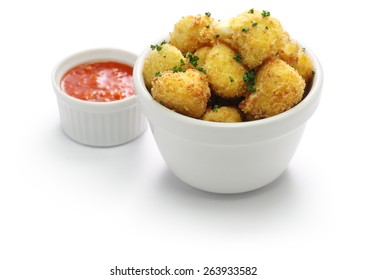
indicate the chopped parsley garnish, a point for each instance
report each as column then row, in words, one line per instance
column 254, row 23
column 249, row 78
column 251, row 11
column 182, row 61
column 231, row 79
column 201, row 69
column 265, row 13
column 215, row 108
column 216, row 36
column 245, row 29
column 158, row 74
column 266, row 27
column 178, row 69
column 313, row 73
column 237, row 57
column 208, row 14
column 304, row 49
column 193, row 59
column 156, row 47
column 251, row 88
column 207, row 26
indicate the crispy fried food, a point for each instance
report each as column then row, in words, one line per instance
column 298, row 59
column 202, row 54
column 192, row 32
column 249, row 57
column 222, row 114
column 225, row 73
column 256, row 36
column 184, row 92
column 279, row 87
column 166, row 57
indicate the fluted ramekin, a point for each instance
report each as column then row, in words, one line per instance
column 100, row 124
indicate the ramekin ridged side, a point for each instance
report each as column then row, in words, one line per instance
column 101, row 129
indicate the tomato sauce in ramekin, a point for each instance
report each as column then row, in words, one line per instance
column 99, row 81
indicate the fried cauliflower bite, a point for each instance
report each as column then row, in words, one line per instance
column 166, row 57
column 225, row 73
column 192, row 32
column 184, row 92
column 279, row 87
column 222, row 114
column 256, row 36
column 298, row 59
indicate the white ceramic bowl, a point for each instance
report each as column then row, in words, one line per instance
column 227, row 157
column 98, row 124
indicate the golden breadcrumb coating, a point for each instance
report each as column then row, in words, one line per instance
column 208, row 67
column 192, row 32
column 201, row 54
column 255, row 36
column 298, row 59
column 279, row 87
column 156, row 62
column 184, row 92
column 222, row 114
column 225, row 73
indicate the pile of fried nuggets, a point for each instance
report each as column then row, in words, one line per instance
column 242, row 69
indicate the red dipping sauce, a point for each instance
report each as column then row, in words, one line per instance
column 99, row 81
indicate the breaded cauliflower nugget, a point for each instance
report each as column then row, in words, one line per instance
column 298, row 59
column 222, row 114
column 192, row 32
column 225, row 72
column 279, row 87
column 184, row 92
column 255, row 35
column 163, row 58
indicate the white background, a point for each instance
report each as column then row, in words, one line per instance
column 73, row 212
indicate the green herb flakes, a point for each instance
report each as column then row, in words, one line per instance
column 215, row 108
column 193, row 59
column 201, row 69
column 177, row 69
column 249, row 78
column 237, row 57
column 156, row 47
column 265, row 13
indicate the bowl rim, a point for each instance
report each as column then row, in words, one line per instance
column 314, row 92
column 128, row 101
